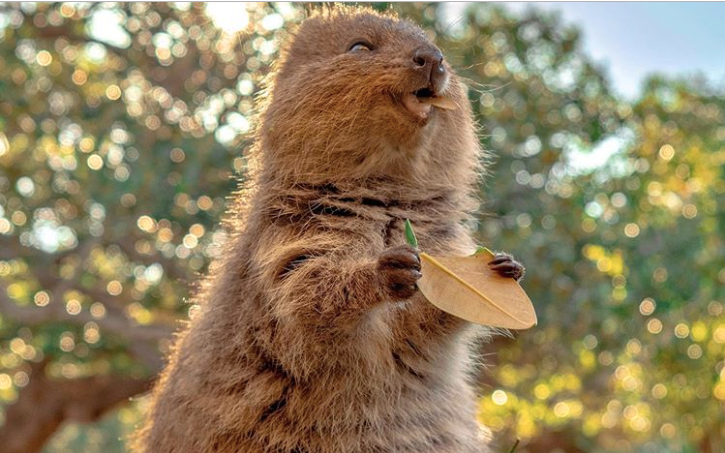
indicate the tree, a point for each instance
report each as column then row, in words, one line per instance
column 118, row 150
column 120, row 130
column 625, row 255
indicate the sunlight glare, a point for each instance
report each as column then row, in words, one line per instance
column 229, row 16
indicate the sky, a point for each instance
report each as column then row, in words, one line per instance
column 633, row 40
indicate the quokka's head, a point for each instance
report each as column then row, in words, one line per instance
column 359, row 94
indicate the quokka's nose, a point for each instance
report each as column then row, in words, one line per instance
column 430, row 61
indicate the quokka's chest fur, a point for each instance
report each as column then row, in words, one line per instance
column 377, row 217
column 391, row 371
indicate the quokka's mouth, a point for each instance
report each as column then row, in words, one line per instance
column 424, row 93
column 420, row 102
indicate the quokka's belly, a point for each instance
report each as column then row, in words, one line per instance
column 358, row 421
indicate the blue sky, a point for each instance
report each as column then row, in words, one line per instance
column 633, row 40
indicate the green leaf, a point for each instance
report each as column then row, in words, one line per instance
column 409, row 235
column 481, row 249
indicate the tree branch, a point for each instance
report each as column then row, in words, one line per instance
column 141, row 338
column 44, row 404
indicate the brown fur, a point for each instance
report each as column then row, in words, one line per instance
column 310, row 338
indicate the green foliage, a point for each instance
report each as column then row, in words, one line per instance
column 116, row 158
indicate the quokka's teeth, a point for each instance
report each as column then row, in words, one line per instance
column 439, row 101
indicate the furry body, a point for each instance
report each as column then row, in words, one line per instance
column 311, row 337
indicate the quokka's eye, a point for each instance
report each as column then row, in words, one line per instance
column 360, row 46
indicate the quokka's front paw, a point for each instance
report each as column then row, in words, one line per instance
column 507, row 266
column 399, row 269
